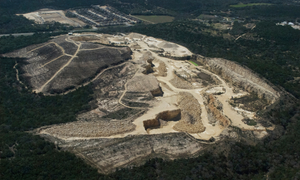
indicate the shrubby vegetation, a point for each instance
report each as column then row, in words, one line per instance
column 8, row 43
column 24, row 156
column 24, row 110
column 276, row 13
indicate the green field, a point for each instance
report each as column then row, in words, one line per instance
column 250, row 4
column 194, row 63
column 155, row 19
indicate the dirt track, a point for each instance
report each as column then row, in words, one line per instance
column 168, row 105
column 169, row 100
column 17, row 75
column 72, row 57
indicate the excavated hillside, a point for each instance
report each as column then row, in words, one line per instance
column 148, row 99
column 63, row 64
column 107, row 154
column 240, row 77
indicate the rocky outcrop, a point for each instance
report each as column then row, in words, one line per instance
column 107, row 154
column 148, row 58
column 157, row 92
column 97, row 128
column 170, row 115
column 241, row 77
column 161, row 69
column 144, row 83
column 165, row 116
column 126, row 53
column 151, row 124
column 214, row 109
column 148, row 69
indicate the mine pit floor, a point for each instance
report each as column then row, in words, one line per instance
column 169, row 100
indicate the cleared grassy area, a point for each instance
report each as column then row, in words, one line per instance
column 194, row 63
column 156, row 19
column 250, row 4
column 206, row 17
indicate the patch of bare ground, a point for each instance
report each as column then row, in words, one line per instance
column 108, row 89
column 69, row 48
column 148, row 58
column 144, row 83
column 85, row 46
column 181, row 83
column 214, row 111
column 136, row 46
column 249, row 102
column 124, row 113
column 61, row 65
column 190, row 115
column 161, row 69
column 137, row 99
column 163, row 84
column 107, row 154
column 161, row 119
column 129, row 124
column 94, row 127
column 242, row 77
column 85, row 38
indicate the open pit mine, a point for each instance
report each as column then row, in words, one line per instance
column 150, row 100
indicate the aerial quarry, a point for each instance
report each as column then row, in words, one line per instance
column 151, row 98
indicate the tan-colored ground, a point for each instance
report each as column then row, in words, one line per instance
column 47, row 15
column 189, row 99
column 132, row 121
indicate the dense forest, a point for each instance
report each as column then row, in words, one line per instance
column 271, row 51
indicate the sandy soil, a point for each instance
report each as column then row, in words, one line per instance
column 42, row 16
column 169, row 101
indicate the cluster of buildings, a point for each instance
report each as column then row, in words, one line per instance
column 99, row 16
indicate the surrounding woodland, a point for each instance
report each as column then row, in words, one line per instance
column 270, row 50
column 11, row 23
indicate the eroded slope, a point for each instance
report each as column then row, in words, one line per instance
column 155, row 104
column 62, row 64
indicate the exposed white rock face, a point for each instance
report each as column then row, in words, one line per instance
column 109, row 154
column 144, row 83
column 241, row 77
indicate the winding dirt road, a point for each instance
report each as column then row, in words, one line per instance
column 57, row 72
column 170, row 99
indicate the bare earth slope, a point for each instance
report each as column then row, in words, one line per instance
column 149, row 101
column 63, row 64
